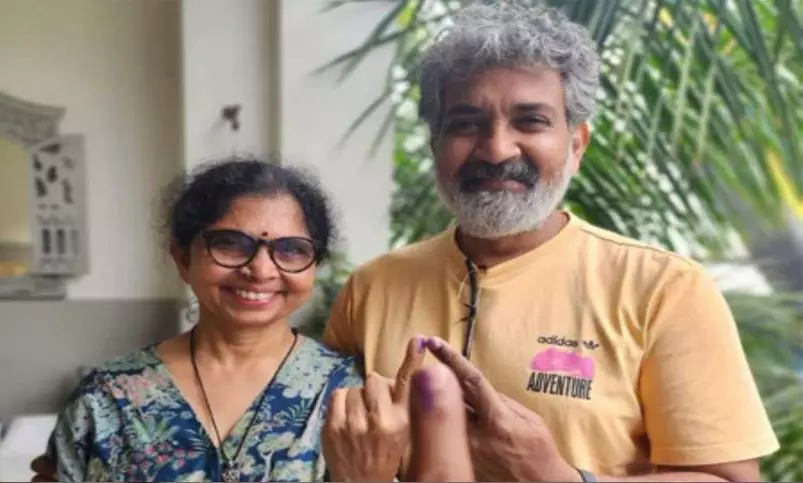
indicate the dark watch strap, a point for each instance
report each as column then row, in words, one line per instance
column 587, row 476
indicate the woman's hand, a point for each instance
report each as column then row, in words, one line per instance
column 44, row 469
column 367, row 429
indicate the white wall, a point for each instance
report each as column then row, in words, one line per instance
column 113, row 65
column 226, row 59
column 316, row 111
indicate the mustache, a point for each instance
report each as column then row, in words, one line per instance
column 473, row 173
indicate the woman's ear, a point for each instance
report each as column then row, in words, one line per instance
column 181, row 257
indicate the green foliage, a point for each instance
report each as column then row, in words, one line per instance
column 785, row 465
column 773, row 348
column 328, row 284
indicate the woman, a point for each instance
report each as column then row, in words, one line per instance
column 242, row 396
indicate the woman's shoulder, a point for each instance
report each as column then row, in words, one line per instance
column 102, row 388
column 133, row 363
column 91, row 417
column 142, row 363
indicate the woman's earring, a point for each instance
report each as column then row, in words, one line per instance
column 191, row 311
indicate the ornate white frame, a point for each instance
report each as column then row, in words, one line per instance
column 35, row 127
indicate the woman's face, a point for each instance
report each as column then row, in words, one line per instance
column 259, row 293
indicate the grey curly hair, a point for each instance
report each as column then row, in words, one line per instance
column 510, row 34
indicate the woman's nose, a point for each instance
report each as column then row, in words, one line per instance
column 262, row 266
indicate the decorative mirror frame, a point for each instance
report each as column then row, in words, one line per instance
column 58, row 203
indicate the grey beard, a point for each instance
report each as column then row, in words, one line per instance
column 495, row 214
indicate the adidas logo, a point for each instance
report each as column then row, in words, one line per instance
column 590, row 344
column 558, row 341
column 564, row 342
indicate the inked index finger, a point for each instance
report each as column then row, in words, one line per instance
column 478, row 392
column 413, row 360
column 440, row 446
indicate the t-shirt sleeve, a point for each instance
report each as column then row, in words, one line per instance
column 700, row 401
column 82, row 432
column 339, row 333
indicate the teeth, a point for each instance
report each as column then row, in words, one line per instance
column 254, row 295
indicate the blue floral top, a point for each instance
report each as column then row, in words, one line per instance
column 127, row 421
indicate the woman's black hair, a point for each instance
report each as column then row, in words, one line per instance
column 193, row 202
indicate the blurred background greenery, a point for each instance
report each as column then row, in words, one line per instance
column 696, row 147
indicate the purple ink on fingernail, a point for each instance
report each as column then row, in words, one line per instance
column 421, row 343
column 433, row 343
column 422, row 385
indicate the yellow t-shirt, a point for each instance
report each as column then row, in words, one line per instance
column 629, row 353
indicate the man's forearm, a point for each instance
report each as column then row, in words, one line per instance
column 561, row 470
column 736, row 472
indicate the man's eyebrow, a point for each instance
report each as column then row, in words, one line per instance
column 462, row 110
column 534, row 107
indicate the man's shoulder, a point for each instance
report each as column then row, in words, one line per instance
column 622, row 253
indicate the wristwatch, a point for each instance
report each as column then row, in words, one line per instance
column 587, row 476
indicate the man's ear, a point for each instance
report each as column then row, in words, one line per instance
column 181, row 257
column 581, row 137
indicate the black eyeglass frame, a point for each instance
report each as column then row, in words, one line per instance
column 269, row 244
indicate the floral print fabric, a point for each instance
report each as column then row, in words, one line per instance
column 127, row 421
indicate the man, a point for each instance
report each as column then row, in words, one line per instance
column 585, row 355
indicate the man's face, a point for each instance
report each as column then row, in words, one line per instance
column 505, row 152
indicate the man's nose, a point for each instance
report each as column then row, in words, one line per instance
column 498, row 145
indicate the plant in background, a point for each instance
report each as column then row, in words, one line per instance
column 772, row 330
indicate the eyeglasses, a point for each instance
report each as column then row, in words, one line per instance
column 471, row 306
column 235, row 249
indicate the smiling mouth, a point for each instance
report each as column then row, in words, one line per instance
column 254, row 296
